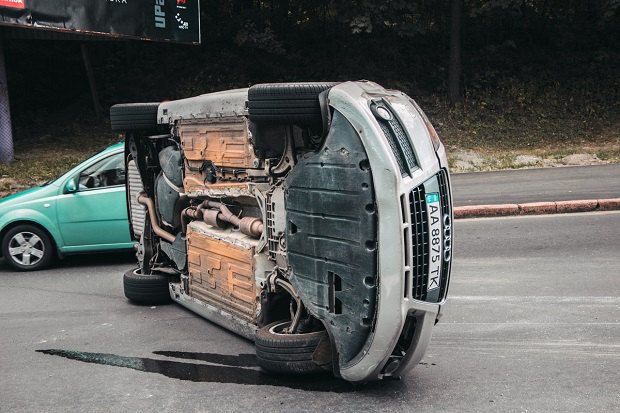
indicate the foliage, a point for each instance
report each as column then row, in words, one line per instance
column 536, row 72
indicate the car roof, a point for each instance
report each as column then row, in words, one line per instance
column 114, row 147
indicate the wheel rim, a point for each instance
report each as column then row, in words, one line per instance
column 26, row 248
column 278, row 328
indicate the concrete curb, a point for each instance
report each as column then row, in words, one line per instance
column 537, row 208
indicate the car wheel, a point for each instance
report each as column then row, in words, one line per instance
column 128, row 117
column 27, row 248
column 144, row 289
column 290, row 103
column 286, row 353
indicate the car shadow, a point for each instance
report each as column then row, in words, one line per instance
column 101, row 258
column 235, row 369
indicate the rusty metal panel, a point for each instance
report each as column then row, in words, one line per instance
column 225, row 144
column 222, row 274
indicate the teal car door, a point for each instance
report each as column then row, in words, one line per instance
column 94, row 213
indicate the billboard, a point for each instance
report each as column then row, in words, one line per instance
column 16, row 4
column 159, row 20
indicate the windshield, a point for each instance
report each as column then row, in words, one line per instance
column 72, row 166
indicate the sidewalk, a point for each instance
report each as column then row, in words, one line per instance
column 536, row 191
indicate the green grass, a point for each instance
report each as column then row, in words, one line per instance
column 526, row 115
column 611, row 155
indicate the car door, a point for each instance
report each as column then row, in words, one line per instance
column 95, row 213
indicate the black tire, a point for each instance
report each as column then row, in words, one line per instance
column 128, row 117
column 146, row 289
column 286, row 353
column 287, row 103
column 27, row 248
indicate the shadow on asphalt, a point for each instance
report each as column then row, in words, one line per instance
column 240, row 369
column 103, row 258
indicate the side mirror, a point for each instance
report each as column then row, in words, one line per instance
column 70, row 186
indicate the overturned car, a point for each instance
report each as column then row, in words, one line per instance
column 312, row 218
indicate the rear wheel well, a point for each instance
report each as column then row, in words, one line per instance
column 34, row 224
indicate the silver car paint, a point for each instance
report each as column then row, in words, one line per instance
column 211, row 105
column 352, row 99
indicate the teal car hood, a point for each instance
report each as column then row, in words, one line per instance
column 37, row 194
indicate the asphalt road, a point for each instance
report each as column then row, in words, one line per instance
column 533, row 324
column 536, row 185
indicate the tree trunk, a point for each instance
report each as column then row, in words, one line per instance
column 91, row 81
column 280, row 18
column 6, row 130
column 455, row 70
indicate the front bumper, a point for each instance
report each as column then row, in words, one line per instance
column 403, row 322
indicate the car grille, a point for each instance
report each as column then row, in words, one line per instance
column 444, row 193
column 419, row 243
column 400, row 144
column 416, row 240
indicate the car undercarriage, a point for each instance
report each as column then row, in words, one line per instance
column 312, row 218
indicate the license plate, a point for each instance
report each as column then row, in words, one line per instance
column 433, row 213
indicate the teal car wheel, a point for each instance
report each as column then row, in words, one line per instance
column 27, row 248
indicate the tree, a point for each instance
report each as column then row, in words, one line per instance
column 455, row 70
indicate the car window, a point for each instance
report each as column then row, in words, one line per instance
column 109, row 171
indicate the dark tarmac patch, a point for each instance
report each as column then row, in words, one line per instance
column 231, row 371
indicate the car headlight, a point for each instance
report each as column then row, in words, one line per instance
column 429, row 126
column 433, row 133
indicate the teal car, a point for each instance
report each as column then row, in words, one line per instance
column 83, row 210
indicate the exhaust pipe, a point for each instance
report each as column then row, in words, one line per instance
column 150, row 205
column 220, row 215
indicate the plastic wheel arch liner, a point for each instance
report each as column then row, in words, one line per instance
column 331, row 235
